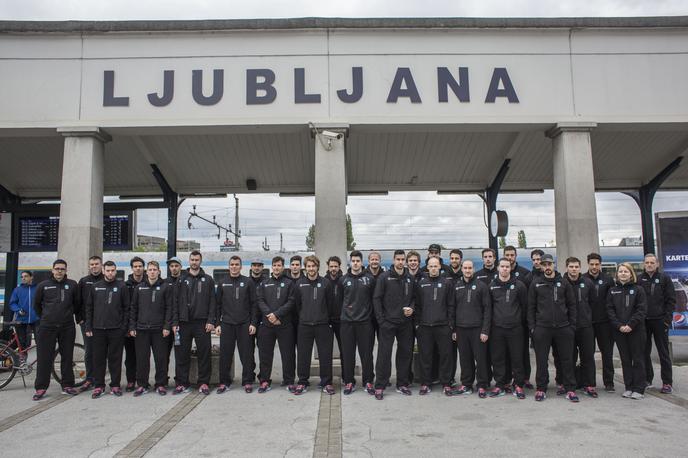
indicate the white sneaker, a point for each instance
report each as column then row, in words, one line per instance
column 637, row 396
column 627, row 394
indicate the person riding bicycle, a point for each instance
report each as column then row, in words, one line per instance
column 21, row 303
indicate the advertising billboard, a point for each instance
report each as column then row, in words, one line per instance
column 672, row 244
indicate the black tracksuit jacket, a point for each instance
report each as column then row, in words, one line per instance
column 660, row 295
column 486, row 275
column 311, row 300
column 473, row 305
column 392, row 293
column 357, row 292
column 276, row 295
column 434, row 302
column 598, row 298
column 108, row 306
column 583, row 290
column 58, row 303
column 336, row 296
column 237, row 301
column 626, row 305
column 551, row 303
column 195, row 299
column 151, row 307
column 509, row 302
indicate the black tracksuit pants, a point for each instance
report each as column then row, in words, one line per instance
column 284, row 335
column 190, row 331
column 130, row 358
column 430, row 337
column 323, row 337
column 147, row 340
column 583, row 355
column 660, row 332
column 454, row 360
column 632, row 354
column 336, row 326
column 107, row 350
column 527, row 369
column 605, row 342
column 46, row 340
column 403, row 332
column 506, row 347
column 357, row 334
column 544, row 338
column 473, row 357
column 236, row 335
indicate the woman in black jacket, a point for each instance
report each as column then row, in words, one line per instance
column 627, row 307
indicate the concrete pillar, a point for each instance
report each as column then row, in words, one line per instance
column 330, row 197
column 81, row 207
column 575, row 210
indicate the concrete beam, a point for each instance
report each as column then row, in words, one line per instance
column 81, row 208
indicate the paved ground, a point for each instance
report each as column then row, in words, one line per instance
column 280, row 424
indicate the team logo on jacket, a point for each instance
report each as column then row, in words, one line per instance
column 631, row 292
column 439, row 285
column 203, row 279
column 319, row 286
column 281, row 285
column 66, row 286
column 114, row 289
column 241, row 284
column 157, row 288
column 348, row 283
column 582, row 285
column 600, row 281
column 657, row 280
column 512, row 286
column 558, row 284
column 517, row 274
column 473, row 287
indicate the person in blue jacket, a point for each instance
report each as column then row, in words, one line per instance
column 21, row 303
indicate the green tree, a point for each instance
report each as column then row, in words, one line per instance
column 522, row 242
column 350, row 244
column 502, row 242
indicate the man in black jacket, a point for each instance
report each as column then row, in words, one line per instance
column 584, row 341
column 107, row 320
column 276, row 307
column 489, row 270
column 95, row 273
column 661, row 299
column 358, row 286
column 509, row 301
column 519, row 272
column 150, row 322
column 136, row 277
column 311, row 296
column 193, row 317
column 600, row 319
column 472, row 329
column 237, row 318
column 393, row 304
column 552, row 321
column 434, row 321
column 58, row 303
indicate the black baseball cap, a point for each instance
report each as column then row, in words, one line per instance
column 546, row 258
column 434, row 247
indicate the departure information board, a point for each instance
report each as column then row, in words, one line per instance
column 39, row 232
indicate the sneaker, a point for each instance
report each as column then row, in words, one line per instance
column 540, row 396
column 264, row 387
column 463, row 389
column 519, row 393
column 497, row 392
column 627, row 394
column 98, row 392
column 328, row 389
column 527, row 385
column 379, row 394
column 179, row 389
column 482, row 393
column 509, row 389
column 221, row 388
column 448, row 390
column 131, row 386
column 571, row 396
column 370, row 389
column 248, row 388
column 349, row 388
column 140, row 390
column 204, row 389
column 38, row 395
column 70, row 391
column 637, row 396
column 666, row 389
column 117, row 391
column 291, row 388
column 561, row 390
column 609, row 388
column 161, row 390
column 590, row 391
column 300, row 389
column 86, row 386
column 424, row 389
column 405, row 390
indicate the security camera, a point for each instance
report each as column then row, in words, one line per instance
column 335, row 135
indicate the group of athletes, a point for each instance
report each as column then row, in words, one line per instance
column 488, row 317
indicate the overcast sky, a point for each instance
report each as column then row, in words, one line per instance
column 400, row 219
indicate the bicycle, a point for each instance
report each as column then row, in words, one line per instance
column 17, row 359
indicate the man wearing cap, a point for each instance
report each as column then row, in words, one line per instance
column 435, row 251
column 552, row 321
column 256, row 274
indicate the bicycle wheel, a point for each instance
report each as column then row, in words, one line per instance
column 8, row 364
column 78, row 366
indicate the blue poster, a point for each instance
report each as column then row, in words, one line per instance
column 672, row 231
